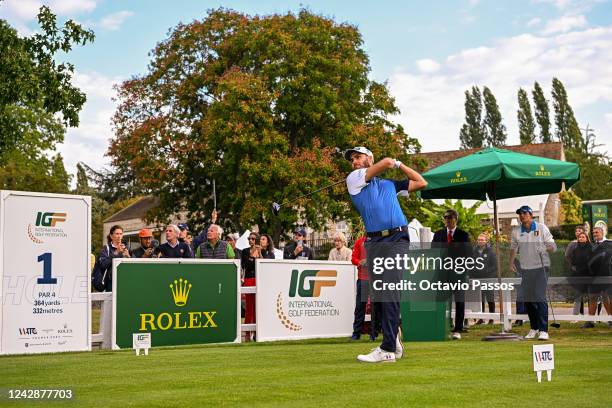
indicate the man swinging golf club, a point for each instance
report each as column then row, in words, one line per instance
column 376, row 201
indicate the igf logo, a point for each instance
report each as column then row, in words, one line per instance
column 543, row 356
column 49, row 219
column 309, row 283
column 142, row 337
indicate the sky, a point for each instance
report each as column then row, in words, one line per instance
column 428, row 52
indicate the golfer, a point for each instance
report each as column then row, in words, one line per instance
column 532, row 241
column 377, row 203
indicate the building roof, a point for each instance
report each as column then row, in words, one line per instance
column 138, row 210
column 548, row 150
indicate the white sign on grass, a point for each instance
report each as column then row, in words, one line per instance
column 543, row 360
column 304, row 299
column 141, row 341
column 44, row 272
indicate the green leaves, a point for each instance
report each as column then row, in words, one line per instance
column 258, row 104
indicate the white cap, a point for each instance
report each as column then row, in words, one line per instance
column 357, row 149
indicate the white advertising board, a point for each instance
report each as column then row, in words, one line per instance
column 44, row 272
column 304, row 299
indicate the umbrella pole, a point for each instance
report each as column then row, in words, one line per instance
column 503, row 335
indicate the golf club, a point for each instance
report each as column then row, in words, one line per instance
column 276, row 206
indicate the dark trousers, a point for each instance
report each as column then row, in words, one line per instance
column 538, row 315
column 361, row 301
column 534, row 282
column 390, row 313
column 489, row 297
column 459, row 296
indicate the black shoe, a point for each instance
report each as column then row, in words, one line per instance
column 518, row 323
column 480, row 321
column 373, row 337
column 491, row 321
column 355, row 336
column 588, row 325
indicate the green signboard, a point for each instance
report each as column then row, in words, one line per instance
column 595, row 215
column 178, row 302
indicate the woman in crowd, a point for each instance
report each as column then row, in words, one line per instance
column 247, row 262
column 483, row 250
column 115, row 248
column 267, row 246
column 340, row 252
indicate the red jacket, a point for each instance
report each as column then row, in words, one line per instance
column 359, row 254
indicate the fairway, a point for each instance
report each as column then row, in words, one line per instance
column 462, row 373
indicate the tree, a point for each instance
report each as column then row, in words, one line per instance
column 495, row 129
column 525, row 119
column 33, row 87
column 37, row 102
column 542, row 113
column 472, row 134
column 471, row 222
column 258, row 104
column 567, row 130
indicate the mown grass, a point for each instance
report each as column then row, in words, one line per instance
column 466, row 373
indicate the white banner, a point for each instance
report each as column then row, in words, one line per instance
column 304, row 299
column 44, row 272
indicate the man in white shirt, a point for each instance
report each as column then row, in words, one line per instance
column 532, row 240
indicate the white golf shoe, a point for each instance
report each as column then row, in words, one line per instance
column 377, row 356
column 399, row 346
column 532, row 334
column 543, row 335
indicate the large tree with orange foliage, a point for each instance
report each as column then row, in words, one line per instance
column 259, row 104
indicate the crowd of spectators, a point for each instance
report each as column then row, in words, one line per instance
column 585, row 259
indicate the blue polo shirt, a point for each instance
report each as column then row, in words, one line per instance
column 376, row 200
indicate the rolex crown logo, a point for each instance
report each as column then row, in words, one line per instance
column 542, row 167
column 458, row 174
column 180, row 291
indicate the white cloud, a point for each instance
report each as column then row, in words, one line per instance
column 427, row 66
column 88, row 142
column 534, row 22
column 432, row 102
column 113, row 21
column 564, row 24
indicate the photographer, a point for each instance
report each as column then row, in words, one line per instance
column 102, row 273
column 147, row 247
column 298, row 249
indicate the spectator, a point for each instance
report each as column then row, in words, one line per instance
column 578, row 258
column 599, row 266
column 247, row 261
column 340, row 252
column 578, row 305
column 202, row 236
column 532, row 241
column 102, row 279
column 173, row 248
column 146, row 248
column 267, row 247
column 484, row 250
column 214, row 247
column 358, row 258
column 455, row 240
column 298, row 249
column 231, row 240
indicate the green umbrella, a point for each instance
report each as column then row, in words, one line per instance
column 499, row 173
